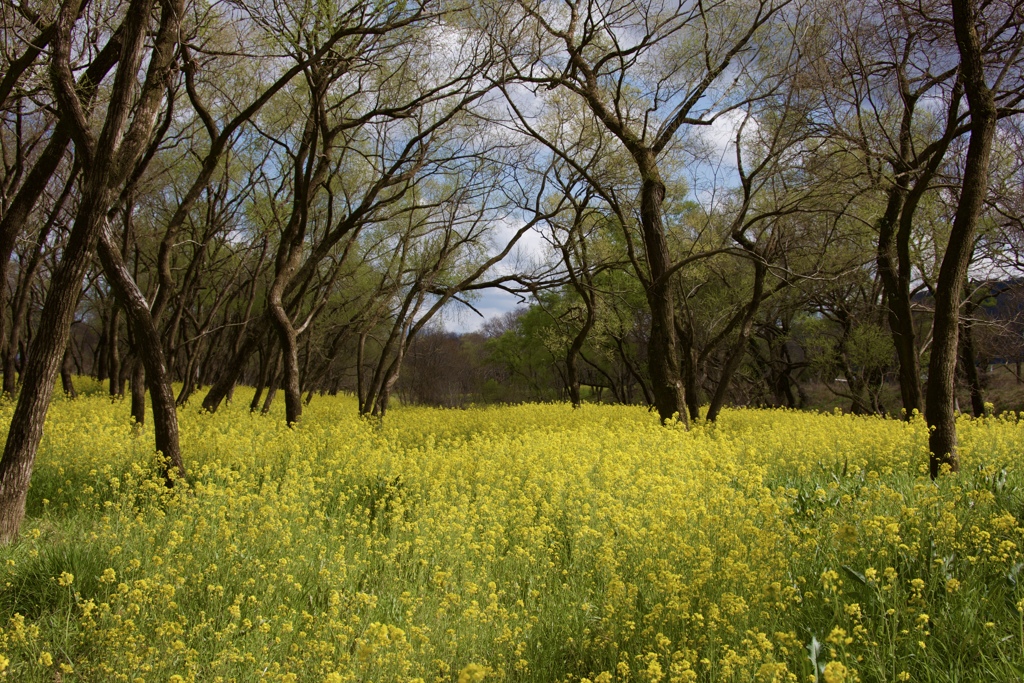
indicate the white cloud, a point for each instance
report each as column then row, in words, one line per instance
column 530, row 251
column 720, row 137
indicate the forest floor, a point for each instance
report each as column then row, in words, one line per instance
column 524, row 543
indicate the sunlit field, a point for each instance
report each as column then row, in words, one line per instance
column 528, row 543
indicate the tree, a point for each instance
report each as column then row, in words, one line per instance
column 970, row 38
column 129, row 122
column 647, row 74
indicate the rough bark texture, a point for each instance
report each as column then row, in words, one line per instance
column 662, row 351
column 940, row 414
column 22, row 296
column 688, row 360
column 129, row 121
column 275, row 380
column 572, row 362
column 290, row 360
column 44, row 362
column 150, row 349
column 115, row 387
column 261, row 381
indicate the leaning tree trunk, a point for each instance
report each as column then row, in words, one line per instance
column 290, row 361
column 126, row 131
column 261, row 381
column 150, row 350
column 236, row 363
column 18, row 321
column 737, row 352
column 662, row 354
column 22, row 294
column 942, row 440
column 129, row 121
column 44, row 362
column 275, row 381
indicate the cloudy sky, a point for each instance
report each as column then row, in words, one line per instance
column 532, row 247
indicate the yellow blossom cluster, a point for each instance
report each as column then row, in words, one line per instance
column 526, row 543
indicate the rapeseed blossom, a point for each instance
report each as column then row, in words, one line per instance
column 527, row 543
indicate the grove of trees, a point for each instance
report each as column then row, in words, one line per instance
column 733, row 198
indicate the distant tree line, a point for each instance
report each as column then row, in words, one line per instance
column 806, row 357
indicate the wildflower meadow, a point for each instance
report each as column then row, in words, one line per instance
column 526, row 543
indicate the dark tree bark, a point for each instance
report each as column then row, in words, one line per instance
column 138, row 389
column 572, row 358
column 967, row 360
column 115, row 387
column 236, row 363
column 100, row 356
column 633, row 370
column 688, row 357
column 275, row 382
column 913, row 163
column 150, row 349
column 129, row 122
column 66, row 381
column 894, row 272
column 662, row 349
column 579, row 270
column 22, row 293
column 940, row 415
column 13, row 221
column 738, row 350
column 44, row 362
column 261, row 380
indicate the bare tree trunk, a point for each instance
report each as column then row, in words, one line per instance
column 895, row 228
column 100, row 355
column 114, row 351
column 572, row 356
column 634, row 372
column 10, row 385
column 968, row 364
column 738, row 350
column 138, row 387
column 275, row 380
column 229, row 375
column 188, row 386
column 290, row 360
column 150, row 349
column 897, row 295
column 261, row 380
column 44, row 362
column 942, row 440
column 22, row 294
column 66, row 381
column 662, row 351
column 689, row 367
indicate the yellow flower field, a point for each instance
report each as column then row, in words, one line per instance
column 527, row 543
